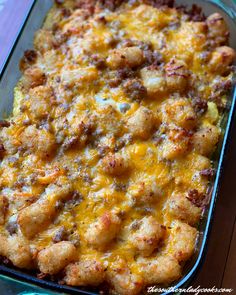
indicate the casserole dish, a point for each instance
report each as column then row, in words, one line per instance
column 8, row 83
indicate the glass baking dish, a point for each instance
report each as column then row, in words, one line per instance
column 18, row 281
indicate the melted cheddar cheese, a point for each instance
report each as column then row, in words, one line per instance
column 106, row 164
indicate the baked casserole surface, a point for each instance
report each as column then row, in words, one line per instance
column 106, row 161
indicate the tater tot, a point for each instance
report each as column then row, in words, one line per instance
column 17, row 251
column 85, row 272
column 221, row 58
column 181, row 208
column 36, row 218
column 217, row 28
column 154, row 81
column 103, row 231
column 54, row 258
column 145, row 192
column 115, row 164
column 148, row 236
column 206, row 139
column 40, row 100
column 176, row 144
column 182, row 240
column 39, row 141
column 107, row 159
column 180, row 112
column 163, row 269
column 176, row 75
column 122, row 279
column 128, row 56
column 33, row 77
column 142, row 123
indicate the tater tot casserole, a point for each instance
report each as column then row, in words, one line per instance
column 106, row 161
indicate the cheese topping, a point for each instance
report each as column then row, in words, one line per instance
column 106, row 159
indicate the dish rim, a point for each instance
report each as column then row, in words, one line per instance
column 22, row 277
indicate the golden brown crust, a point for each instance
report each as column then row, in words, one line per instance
column 106, row 161
column 54, row 258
